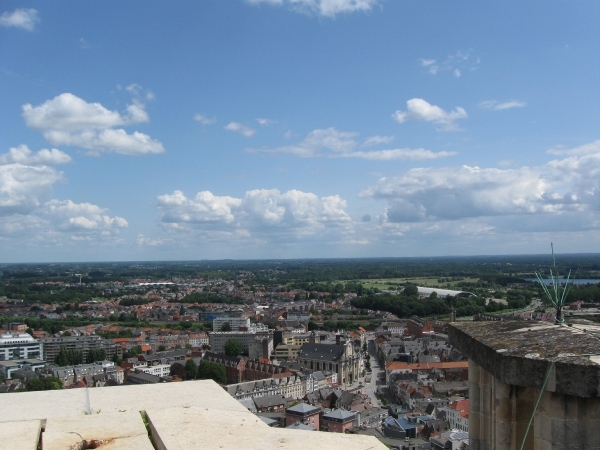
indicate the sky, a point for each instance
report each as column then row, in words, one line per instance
column 253, row 129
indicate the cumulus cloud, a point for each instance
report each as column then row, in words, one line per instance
column 70, row 120
column 204, row 119
column 325, row 8
column 419, row 109
column 28, row 209
column 342, row 144
column 497, row 106
column 81, row 217
column 240, row 128
column 25, row 18
column 559, row 187
column 265, row 212
column 23, row 155
column 431, row 65
column 24, row 188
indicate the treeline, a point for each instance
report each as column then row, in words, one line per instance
column 407, row 305
column 584, row 293
column 72, row 357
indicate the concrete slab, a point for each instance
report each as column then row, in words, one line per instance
column 72, row 402
column 115, row 431
column 20, row 435
column 202, row 428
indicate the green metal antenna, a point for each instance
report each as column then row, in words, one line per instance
column 559, row 293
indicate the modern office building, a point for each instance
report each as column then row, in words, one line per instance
column 19, row 346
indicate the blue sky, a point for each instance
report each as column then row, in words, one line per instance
column 297, row 128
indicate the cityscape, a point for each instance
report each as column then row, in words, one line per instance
column 299, row 224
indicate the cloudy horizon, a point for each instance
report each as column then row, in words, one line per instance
column 297, row 129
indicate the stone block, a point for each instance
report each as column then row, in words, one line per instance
column 114, row 431
column 20, row 435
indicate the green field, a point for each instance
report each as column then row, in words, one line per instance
column 391, row 283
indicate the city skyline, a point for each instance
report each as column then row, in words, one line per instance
column 307, row 129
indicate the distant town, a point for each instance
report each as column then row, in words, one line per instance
column 369, row 354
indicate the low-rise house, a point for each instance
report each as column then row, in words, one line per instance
column 269, row 403
column 338, row 421
column 303, row 413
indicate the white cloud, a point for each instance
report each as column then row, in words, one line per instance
column 23, row 155
column 326, row 8
column 496, row 106
column 70, row 120
column 376, row 140
column 28, row 210
column 419, row 109
column 586, row 149
column 265, row 122
column 261, row 212
column 409, row 154
column 455, row 63
column 24, row 188
column 146, row 241
column 341, row 144
column 560, row 187
column 204, row 119
column 81, row 217
column 240, row 128
column 20, row 18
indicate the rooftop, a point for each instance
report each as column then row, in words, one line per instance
column 197, row 414
column 519, row 353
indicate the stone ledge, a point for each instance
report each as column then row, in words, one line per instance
column 23, row 435
column 519, row 353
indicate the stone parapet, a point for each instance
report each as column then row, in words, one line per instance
column 519, row 353
column 509, row 364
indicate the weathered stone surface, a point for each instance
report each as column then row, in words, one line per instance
column 519, row 353
column 114, row 431
column 20, row 435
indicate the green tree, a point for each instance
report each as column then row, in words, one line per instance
column 226, row 327
column 212, row 371
column 133, row 351
column 162, row 348
column 178, row 369
column 43, row 384
column 68, row 357
column 233, row 347
column 191, row 369
column 95, row 355
column 411, row 289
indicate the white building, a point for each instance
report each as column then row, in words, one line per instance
column 234, row 322
column 159, row 370
column 198, row 339
column 19, row 346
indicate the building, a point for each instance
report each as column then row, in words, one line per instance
column 217, row 339
column 158, row 370
column 338, row 421
column 284, row 352
column 240, row 368
column 303, row 413
column 261, row 347
column 7, row 368
column 70, row 375
column 51, row 346
column 418, row 327
column 531, row 385
column 343, row 359
column 198, row 339
column 298, row 316
column 16, row 345
column 194, row 414
column 235, row 323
